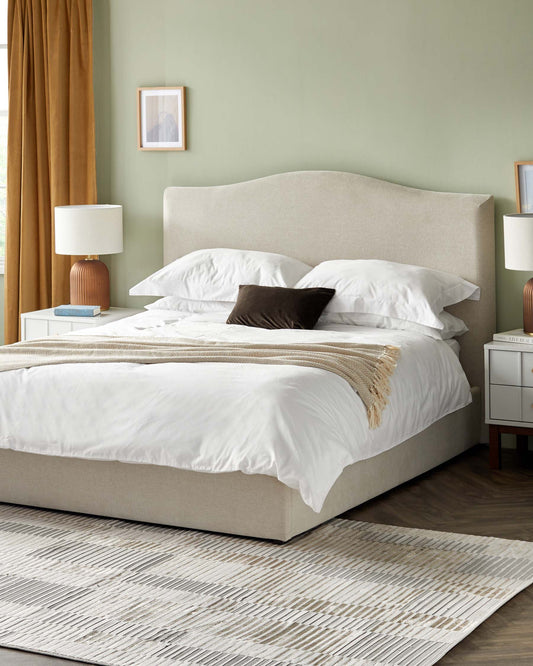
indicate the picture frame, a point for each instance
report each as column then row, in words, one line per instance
column 524, row 186
column 161, row 118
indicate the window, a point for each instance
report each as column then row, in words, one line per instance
column 3, row 128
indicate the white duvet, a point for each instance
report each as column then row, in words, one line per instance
column 300, row 425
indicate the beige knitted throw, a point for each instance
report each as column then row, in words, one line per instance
column 367, row 368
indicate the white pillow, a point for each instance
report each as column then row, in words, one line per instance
column 372, row 286
column 215, row 274
column 179, row 304
column 453, row 326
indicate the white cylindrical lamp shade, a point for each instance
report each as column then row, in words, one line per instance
column 518, row 241
column 90, row 230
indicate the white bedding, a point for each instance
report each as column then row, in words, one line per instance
column 300, row 425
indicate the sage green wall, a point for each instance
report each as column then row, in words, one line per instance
column 430, row 93
column 1, row 309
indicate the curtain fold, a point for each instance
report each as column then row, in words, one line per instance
column 51, row 146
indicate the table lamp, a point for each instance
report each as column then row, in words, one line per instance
column 518, row 241
column 90, row 230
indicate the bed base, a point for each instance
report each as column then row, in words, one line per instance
column 234, row 503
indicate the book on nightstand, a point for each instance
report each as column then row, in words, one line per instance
column 517, row 335
column 77, row 310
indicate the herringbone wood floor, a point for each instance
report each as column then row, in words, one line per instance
column 465, row 496
column 461, row 496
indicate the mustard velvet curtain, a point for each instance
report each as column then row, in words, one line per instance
column 51, row 150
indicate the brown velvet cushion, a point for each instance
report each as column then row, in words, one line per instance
column 279, row 307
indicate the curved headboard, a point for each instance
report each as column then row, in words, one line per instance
column 319, row 215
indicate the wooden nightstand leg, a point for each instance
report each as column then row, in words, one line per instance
column 495, row 447
column 521, row 446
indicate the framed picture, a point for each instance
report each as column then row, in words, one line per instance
column 523, row 172
column 161, row 118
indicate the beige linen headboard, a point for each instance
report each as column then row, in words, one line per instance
column 319, row 215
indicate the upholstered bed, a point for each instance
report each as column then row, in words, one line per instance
column 312, row 216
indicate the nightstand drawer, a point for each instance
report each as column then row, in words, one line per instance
column 59, row 327
column 506, row 403
column 527, row 369
column 35, row 328
column 85, row 324
column 505, row 368
column 527, row 405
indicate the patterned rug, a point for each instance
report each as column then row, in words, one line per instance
column 127, row 594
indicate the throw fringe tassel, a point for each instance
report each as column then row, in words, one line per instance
column 380, row 388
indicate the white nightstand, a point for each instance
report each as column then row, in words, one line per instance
column 508, row 395
column 43, row 323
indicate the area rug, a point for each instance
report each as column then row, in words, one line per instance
column 120, row 593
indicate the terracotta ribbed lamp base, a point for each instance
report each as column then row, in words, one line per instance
column 89, row 283
column 528, row 307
